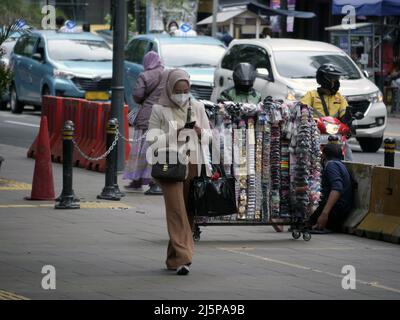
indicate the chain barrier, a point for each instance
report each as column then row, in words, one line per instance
column 132, row 140
column 103, row 156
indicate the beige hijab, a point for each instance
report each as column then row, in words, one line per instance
column 172, row 77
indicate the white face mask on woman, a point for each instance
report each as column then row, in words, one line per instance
column 180, row 99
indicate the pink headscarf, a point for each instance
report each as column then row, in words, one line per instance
column 171, row 77
column 151, row 61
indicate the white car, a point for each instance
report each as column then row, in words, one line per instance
column 286, row 70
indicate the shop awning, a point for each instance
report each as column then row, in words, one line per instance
column 268, row 11
column 223, row 16
column 228, row 13
column 368, row 7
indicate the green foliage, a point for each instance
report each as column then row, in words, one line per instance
column 11, row 10
column 5, row 78
column 5, row 74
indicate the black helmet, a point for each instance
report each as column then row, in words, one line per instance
column 244, row 76
column 328, row 73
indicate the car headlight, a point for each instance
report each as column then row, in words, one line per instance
column 293, row 95
column 63, row 74
column 375, row 97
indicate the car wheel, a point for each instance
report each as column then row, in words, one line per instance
column 16, row 105
column 3, row 105
column 370, row 144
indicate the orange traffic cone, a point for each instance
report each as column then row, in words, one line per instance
column 43, row 184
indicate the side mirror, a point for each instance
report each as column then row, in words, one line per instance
column 37, row 57
column 263, row 73
column 366, row 74
column 359, row 115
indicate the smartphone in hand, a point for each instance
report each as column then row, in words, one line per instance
column 190, row 125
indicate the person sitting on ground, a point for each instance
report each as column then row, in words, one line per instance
column 244, row 75
column 337, row 192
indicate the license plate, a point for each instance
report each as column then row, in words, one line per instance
column 97, row 95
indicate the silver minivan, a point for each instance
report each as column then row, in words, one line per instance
column 286, row 70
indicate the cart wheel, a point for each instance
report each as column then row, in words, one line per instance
column 306, row 236
column 296, row 235
column 196, row 234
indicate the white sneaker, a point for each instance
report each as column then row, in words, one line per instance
column 183, row 270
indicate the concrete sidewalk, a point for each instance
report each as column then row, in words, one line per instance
column 105, row 253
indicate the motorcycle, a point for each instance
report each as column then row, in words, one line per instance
column 332, row 130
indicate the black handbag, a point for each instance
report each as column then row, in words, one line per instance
column 170, row 171
column 211, row 198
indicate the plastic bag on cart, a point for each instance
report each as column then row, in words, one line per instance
column 212, row 196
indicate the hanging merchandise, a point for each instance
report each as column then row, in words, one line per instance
column 274, row 155
column 251, row 169
column 242, row 172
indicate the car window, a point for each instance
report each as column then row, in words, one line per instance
column 255, row 55
column 79, row 50
column 153, row 46
column 136, row 51
column 40, row 47
column 140, row 51
column 29, row 46
column 230, row 58
column 19, row 46
column 188, row 55
column 304, row 64
column 130, row 50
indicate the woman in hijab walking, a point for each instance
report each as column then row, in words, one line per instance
column 167, row 122
column 146, row 93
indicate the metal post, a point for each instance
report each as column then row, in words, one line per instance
column 390, row 148
column 67, row 200
column 117, row 99
column 110, row 192
column 214, row 18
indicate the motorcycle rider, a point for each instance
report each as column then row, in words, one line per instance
column 327, row 100
column 244, row 75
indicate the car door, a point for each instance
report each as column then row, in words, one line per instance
column 27, row 65
column 19, row 68
column 133, row 66
column 259, row 57
column 253, row 54
column 38, row 68
column 223, row 74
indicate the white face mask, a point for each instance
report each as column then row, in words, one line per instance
column 180, row 99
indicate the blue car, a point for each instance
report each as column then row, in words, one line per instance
column 197, row 55
column 61, row 64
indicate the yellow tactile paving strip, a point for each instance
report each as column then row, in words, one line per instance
column 11, row 185
column 4, row 295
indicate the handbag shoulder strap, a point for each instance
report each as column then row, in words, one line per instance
column 326, row 110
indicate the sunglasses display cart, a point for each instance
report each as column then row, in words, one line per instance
column 272, row 149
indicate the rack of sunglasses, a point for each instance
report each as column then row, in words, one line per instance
column 273, row 151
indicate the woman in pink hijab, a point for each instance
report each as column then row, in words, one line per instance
column 146, row 93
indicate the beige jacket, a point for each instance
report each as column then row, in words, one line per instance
column 164, row 123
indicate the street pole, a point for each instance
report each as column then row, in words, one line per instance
column 117, row 85
column 214, row 18
column 283, row 19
